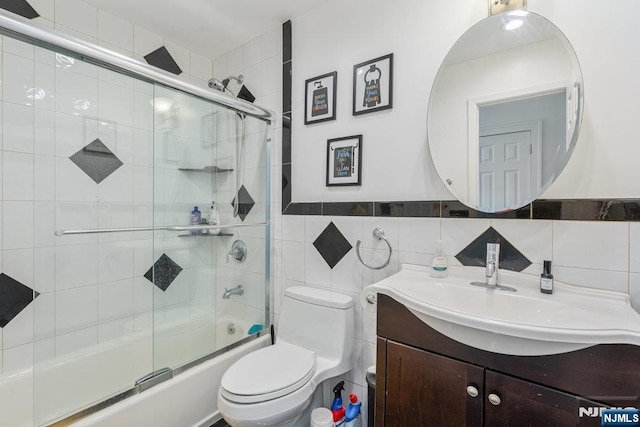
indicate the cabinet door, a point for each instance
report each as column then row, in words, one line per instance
column 424, row 389
column 510, row 402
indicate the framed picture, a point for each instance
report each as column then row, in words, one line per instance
column 344, row 161
column 372, row 85
column 320, row 98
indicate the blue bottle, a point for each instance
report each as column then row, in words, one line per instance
column 352, row 416
column 337, row 409
column 196, row 217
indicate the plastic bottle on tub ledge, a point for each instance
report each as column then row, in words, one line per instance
column 213, row 218
column 196, row 218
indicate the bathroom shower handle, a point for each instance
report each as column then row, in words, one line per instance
column 238, row 252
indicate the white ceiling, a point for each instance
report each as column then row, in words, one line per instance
column 208, row 27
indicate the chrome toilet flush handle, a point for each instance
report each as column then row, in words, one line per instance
column 378, row 233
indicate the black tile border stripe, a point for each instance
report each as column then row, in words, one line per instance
column 425, row 209
column 557, row 209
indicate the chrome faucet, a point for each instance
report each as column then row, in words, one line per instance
column 492, row 270
column 493, row 264
column 238, row 290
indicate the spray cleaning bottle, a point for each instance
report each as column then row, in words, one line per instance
column 352, row 416
column 337, row 409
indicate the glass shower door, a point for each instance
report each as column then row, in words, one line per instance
column 206, row 155
column 93, row 170
column 124, row 286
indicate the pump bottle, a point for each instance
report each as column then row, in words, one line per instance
column 439, row 262
column 546, row 279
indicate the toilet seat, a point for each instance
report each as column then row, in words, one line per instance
column 268, row 373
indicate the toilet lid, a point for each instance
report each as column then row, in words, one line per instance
column 268, row 373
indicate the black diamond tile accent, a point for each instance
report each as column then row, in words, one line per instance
column 332, row 245
column 14, row 297
column 246, row 94
column 96, row 160
column 246, row 203
column 19, row 7
column 163, row 272
column 161, row 58
column 475, row 254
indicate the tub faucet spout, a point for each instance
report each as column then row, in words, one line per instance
column 238, row 290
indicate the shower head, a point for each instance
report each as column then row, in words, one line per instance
column 243, row 93
column 216, row 84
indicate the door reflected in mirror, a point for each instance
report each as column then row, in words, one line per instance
column 504, row 111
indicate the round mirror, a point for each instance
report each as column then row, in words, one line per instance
column 505, row 111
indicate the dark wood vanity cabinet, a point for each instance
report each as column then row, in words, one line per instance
column 426, row 379
column 425, row 389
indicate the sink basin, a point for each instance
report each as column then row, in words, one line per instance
column 525, row 323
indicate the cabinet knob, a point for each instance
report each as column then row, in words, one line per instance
column 494, row 399
column 472, row 391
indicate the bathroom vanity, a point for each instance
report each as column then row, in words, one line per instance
column 425, row 378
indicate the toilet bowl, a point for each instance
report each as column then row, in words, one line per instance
column 278, row 385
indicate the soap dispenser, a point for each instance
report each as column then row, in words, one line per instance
column 439, row 262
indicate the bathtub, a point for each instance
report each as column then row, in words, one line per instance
column 77, row 380
column 189, row 399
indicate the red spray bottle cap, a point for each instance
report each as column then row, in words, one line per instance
column 353, row 398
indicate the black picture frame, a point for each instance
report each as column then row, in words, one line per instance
column 344, row 161
column 320, row 98
column 371, row 94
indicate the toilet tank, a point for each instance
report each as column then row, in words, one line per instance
column 318, row 320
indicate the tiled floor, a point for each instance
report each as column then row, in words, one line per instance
column 221, row 423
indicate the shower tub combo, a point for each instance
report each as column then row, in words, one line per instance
column 130, row 311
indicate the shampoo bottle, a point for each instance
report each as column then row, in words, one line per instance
column 196, row 217
column 546, row 279
column 214, row 218
column 439, row 263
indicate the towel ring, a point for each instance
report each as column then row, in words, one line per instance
column 378, row 233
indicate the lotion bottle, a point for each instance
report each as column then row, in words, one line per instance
column 546, row 279
column 214, row 218
column 439, row 263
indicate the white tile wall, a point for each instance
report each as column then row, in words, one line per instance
column 634, row 248
column 17, row 74
column 115, row 31
column 77, row 15
column 573, row 245
column 590, row 254
column 17, row 129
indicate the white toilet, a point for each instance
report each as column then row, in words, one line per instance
column 278, row 385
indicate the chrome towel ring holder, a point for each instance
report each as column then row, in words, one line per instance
column 378, row 233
